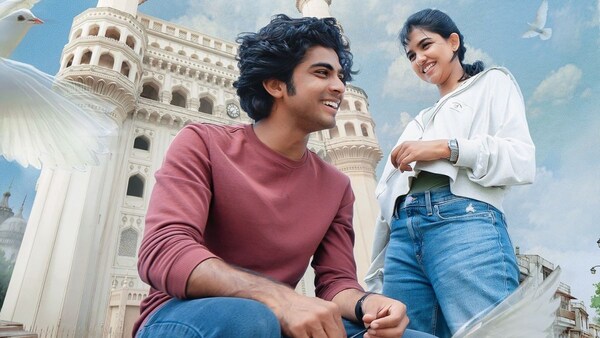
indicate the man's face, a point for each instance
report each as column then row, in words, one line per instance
column 318, row 89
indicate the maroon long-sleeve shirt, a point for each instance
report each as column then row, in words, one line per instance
column 222, row 193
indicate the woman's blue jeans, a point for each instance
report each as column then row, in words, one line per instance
column 222, row 317
column 449, row 259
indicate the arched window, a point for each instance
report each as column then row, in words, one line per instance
column 334, row 132
column 113, row 33
column 135, row 186
column 358, row 105
column 344, row 105
column 128, row 243
column 178, row 99
column 86, row 58
column 194, row 56
column 349, row 127
column 69, row 61
column 181, row 52
column 169, row 49
column 150, row 91
column 106, row 60
column 141, row 142
column 77, row 34
column 130, row 42
column 206, row 106
column 94, row 29
column 364, row 129
column 125, row 68
column 155, row 44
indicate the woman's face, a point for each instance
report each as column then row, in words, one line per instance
column 432, row 57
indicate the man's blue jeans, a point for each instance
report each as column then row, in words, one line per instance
column 449, row 259
column 222, row 317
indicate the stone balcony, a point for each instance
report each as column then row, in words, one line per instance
column 11, row 329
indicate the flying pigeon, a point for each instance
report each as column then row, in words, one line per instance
column 530, row 311
column 9, row 6
column 45, row 121
column 537, row 27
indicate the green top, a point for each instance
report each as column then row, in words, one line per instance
column 427, row 181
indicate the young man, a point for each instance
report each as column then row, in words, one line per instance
column 237, row 212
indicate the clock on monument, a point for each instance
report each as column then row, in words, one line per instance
column 232, row 110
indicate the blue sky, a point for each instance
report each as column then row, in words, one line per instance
column 556, row 217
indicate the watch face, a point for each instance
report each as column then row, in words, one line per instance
column 233, row 111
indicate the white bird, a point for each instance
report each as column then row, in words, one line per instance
column 9, row 6
column 530, row 311
column 46, row 121
column 537, row 27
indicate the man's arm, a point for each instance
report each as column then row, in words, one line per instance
column 299, row 316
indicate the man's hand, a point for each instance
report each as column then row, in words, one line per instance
column 299, row 316
column 411, row 151
column 384, row 316
column 304, row 317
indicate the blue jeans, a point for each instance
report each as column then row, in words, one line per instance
column 449, row 259
column 222, row 317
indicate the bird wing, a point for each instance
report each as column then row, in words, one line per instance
column 9, row 6
column 50, row 122
column 529, row 34
column 541, row 15
column 530, row 311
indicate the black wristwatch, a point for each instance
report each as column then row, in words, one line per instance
column 453, row 145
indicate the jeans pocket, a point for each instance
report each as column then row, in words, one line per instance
column 459, row 208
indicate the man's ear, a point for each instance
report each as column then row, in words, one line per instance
column 274, row 87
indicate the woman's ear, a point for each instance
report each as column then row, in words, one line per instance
column 454, row 40
column 274, row 87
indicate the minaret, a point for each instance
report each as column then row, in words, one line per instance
column 314, row 8
column 61, row 279
column 353, row 148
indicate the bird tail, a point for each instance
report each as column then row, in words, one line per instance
column 530, row 311
column 546, row 33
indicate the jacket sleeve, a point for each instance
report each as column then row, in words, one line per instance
column 503, row 154
column 374, row 276
column 173, row 242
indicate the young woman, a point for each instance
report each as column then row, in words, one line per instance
column 441, row 244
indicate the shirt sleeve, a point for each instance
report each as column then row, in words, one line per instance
column 506, row 154
column 173, row 243
column 335, row 268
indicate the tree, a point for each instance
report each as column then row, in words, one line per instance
column 6, row 269
column 596, row 302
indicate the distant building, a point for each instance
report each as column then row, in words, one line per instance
column 12, row 229
column 572, row 320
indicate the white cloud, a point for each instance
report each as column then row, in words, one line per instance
column 226, row 19
column 475, row 54
column 559, row 87
column 396, row 127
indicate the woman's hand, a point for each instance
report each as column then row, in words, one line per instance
column 411, row 151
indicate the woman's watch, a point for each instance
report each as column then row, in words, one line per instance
column 453, row 145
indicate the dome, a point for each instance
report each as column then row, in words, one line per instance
column 13, row 227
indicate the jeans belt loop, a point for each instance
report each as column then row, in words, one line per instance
column 428, row 202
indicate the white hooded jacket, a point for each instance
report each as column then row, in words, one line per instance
column 486, row 115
